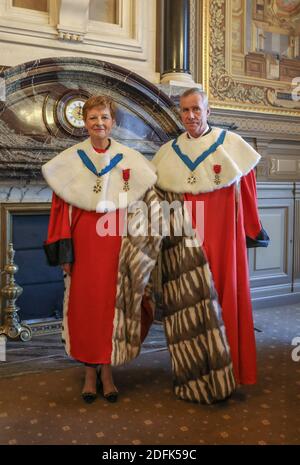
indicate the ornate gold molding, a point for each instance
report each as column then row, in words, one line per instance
column 193, row 38
column 262, row 124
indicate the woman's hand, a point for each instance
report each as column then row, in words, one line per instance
column 67, row 268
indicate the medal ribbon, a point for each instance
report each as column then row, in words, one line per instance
column 90, row 165
column 192, row 165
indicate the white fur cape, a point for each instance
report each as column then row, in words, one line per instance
column 235, row 157
column 73, row 182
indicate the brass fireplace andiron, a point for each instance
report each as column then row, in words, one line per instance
column 12, row 327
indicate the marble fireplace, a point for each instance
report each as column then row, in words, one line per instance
column 34, row 127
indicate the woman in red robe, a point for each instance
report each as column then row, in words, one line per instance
column 87, row 180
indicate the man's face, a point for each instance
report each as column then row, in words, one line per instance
column 194, row 114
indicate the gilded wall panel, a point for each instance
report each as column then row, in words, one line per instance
column 251, row 57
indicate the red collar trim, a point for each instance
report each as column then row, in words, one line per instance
column 102, row 150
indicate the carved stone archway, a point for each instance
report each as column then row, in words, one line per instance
column 30, row 123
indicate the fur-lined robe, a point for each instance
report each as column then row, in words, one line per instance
column 195, row 333
column 200, row 355
column 208, row 283
column 108, row 305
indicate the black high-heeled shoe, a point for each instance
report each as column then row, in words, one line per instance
column 89, row 397
column 110, row 396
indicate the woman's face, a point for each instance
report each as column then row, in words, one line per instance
column 99, row 122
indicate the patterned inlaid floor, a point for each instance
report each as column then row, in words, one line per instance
column 44, row 407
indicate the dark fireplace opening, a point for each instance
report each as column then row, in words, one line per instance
column 42, row 297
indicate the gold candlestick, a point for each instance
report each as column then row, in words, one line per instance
column 12, row 327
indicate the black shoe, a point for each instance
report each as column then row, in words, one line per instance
column 111, row 396
column 89, row 397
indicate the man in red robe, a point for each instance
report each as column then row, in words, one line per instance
column 216, row 167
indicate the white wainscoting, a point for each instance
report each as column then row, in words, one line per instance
column 272, row 269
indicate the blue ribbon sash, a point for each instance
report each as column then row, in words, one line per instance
column 90, row 165
column 192, row 165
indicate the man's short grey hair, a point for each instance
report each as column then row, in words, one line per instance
column 196, row 90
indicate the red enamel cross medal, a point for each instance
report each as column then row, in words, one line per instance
column 126, row 176
column 217, row 169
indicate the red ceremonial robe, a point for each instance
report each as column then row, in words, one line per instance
column 217, row 169
column 94, row 280
column 108, row 302
column 225, row 248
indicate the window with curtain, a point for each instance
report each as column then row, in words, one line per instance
column 103, row 10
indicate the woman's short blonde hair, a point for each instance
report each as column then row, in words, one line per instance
column 99, row 101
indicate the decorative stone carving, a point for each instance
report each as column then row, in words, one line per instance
column 70, row 37
column 73, row 20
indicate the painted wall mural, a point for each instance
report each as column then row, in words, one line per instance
column 254, row 54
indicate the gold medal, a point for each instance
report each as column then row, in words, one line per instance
column 98, row 186
column 192, row 179
column 126, row 186
column 217, row 179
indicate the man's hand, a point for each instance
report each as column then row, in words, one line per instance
column 67, row 268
